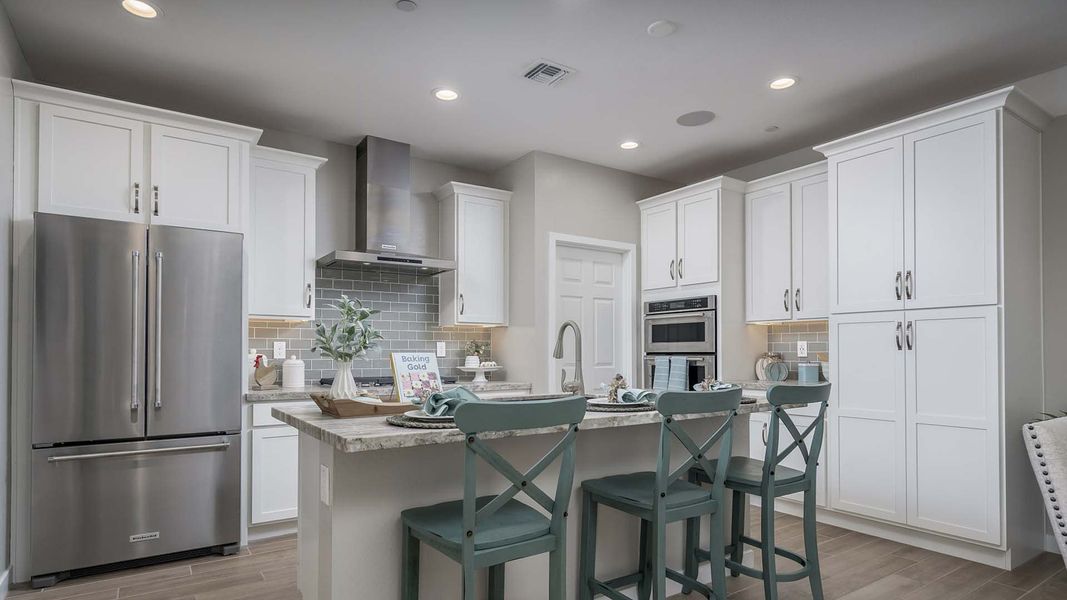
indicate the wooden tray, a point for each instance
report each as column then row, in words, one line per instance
column 344, row 409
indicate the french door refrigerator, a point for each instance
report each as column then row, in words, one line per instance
column 137, row 376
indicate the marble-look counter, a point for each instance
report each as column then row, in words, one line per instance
column 279, row 394
column 364, row 434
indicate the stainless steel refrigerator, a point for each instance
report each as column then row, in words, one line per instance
column 137, row 378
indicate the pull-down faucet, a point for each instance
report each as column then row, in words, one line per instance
column 577, row 385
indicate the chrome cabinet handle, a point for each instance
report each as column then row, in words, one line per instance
column 155, row 200
column 680, row 276
column 462, row 304
column 909, row 336
column 218, row 446
column 898, row 285
column 137, row 198
column 785, row 300
column 308, row 303
column 907, row 285
column 900, row 330
column 764, row 434
column 671, row 268
column 159, row 328
column 796, row 299
column 134, row 402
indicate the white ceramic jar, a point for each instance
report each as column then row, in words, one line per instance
column 293, row 373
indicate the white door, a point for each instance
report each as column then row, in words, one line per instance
column 481, row 260
column 769, row 289
column 90, row 165
column 810, row 248
column 282, row 257
column 953, row 421
column 591, row 291
column 868, row 474
column 950, row 206
column 195, row 179
column 867, row 228
column 274, row 474
column 698, row 239
column 659, row 247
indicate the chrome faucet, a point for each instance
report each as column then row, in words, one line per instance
column 577, row 385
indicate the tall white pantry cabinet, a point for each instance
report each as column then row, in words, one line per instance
column 935, row 303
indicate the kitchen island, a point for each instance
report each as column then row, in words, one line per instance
column 357, row 475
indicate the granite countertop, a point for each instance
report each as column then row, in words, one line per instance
column 765, row 385
column 277, row 394
column 365, row 434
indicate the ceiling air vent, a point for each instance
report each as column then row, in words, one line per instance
column 547, row 73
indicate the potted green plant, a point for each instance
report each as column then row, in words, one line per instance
column 346, row 340
column 476, row 352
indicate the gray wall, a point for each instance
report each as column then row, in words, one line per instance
column 12, row 65
column 1054, row 242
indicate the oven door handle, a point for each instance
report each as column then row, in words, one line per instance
column 679, row 315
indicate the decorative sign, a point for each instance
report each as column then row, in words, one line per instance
column 415, row 376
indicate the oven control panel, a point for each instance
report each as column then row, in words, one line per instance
column 680, row 305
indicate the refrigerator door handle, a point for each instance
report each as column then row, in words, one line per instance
column 134, row 402
column 218, row 446
column 159, row 329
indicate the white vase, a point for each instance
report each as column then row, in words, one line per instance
column 473, row 361
column 344, row 386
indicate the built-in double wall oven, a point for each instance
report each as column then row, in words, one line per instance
column 684, row 327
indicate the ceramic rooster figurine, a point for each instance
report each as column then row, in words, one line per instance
column 265, row 374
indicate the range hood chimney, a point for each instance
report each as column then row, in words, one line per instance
column 392, row 229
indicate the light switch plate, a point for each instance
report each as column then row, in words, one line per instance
column 802, row 349
column 324, row 484
column 279, row 349
column 440, row 349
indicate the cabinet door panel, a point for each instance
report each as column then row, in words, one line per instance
column 953, row 422
column 274, row 474
column 90, row 165
column 866, row 228
column 282, row 255
column 810, row 248
column 481, row 262
column 195, row 179
column 769, row 289
column 658, row 247
column 698, row 240
column 867, row 416
column 950, row 200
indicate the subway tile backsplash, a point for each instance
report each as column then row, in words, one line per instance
column 408, row 321
column 783, row 339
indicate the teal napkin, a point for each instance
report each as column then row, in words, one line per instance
column 630, row 396
column 444, row 404
column 663, row 369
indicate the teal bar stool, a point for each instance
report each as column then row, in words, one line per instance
column 488, row 531
column 768, row 479
column 662, row 497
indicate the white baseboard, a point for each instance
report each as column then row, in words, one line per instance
column 269, row 530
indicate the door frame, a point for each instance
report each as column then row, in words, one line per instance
column 628, row 252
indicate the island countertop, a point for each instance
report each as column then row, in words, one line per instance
column 277, row 393
column 364, row 434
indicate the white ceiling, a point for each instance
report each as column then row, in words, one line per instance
column 339, row 69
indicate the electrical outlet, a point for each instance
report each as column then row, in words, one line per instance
column 279, row 349
column 324, row 484
column 440, row 349
column 802, row 349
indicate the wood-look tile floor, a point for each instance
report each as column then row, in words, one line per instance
column 855, row 567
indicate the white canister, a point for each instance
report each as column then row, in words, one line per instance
column 293, row 373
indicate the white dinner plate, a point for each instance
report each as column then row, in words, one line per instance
column 418, row 415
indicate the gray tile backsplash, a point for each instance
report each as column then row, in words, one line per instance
column 783, row 339
column 408, row 321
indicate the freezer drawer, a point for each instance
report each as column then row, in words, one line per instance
column 94, row 505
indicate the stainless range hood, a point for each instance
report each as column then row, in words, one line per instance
column 392, row 227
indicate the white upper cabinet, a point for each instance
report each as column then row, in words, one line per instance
column 101, row 158
column 282, row 237
column 90, row 165
column 785, row 246
column 680, row 237
column 950, row 209
column 195, row 179
column 474, row 232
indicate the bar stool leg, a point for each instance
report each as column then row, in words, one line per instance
column 659, row 557
column 811, row 546
column 644, row 587
column 692, row 541
column 496, row 582
column 737, row 529
column 587, row 558
column 770, row 574
column 718, row 556
column 410, row 559
column 557, row 573
column 468, row 581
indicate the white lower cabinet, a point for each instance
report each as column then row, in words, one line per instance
column 274, row 462
column 914, row 419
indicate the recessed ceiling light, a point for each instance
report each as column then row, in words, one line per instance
column 662, row 29
column 695, row 118
column 140, row 8
column 771, row 128
column 783, row 82
column 629, row 145
column 445, row 94
column 406, row 5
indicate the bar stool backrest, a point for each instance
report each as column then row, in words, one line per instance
column 674, row 404
column 809, row 441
